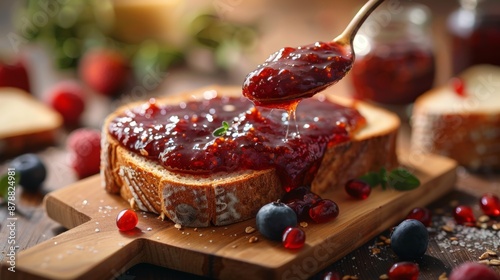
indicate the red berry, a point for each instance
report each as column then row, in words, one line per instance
column 105, row 71
column 126, row 220
column 67, row 99
column 294, row 194
column 358, row 188
column 84, row 145
column 294, row 238
column 423, row 215
column 404, row 271
column 473, row 271
column 490, row 204
column 463, row 215
column 330, row 275
column 323, row 211
column 14, row 75
column 458, row 85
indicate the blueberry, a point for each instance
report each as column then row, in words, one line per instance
column 31, row 170
column 273, row 218
column 410, row 239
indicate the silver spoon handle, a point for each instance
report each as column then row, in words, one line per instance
column 347, row 36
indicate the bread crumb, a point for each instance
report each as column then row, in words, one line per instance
column 178, row 226
column 234, row 246
column 375, row 251
column 303, row 224
column 495, row 262
column 195, row 229
column 253, row 239
column 487, row 262
column 383, row 277
column 483, row 219
column 447, row 228
column 443, row 276
column 162, row 216
column 491, row 253
column 484, row 256
column 249, row 229
column 453, row 238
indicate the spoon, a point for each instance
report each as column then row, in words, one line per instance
column 292, row 74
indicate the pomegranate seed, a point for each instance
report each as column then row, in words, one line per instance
column 126, row 220
column 323, row 211
column 458, row 85
column 330, row 275
column 463, row 215
column 297, row 193
column 490, row 204
column 294, row 238
column 423, row 215
column 404, row 271
column 358, row 188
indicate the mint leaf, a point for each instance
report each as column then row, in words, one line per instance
column 371, row 178
column 221, row 131
column 402, row 180
column 383, row 177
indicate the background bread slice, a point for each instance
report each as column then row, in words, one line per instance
column 467, row 128
column 27, row 123
column 221, row 198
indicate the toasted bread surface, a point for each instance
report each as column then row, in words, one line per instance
column 26, row 122
column 225, row 198
column 464, row 127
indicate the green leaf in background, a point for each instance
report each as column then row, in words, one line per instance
column 383, row 178
column 402, row 180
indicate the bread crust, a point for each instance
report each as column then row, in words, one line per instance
column 222, row 199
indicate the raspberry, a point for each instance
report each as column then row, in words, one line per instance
column 67, row 98
column 84, row 145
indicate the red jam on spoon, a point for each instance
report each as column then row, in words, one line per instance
column 291, row 74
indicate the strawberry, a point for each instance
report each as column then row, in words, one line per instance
column 14, row 75
column 67, row 98
column 84, row 145
column 104, row 71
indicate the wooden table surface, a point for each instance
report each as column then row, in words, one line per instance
column 446, row 250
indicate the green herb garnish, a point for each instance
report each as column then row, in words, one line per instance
column 399, row 179
column 221, row 131
column 6, row 182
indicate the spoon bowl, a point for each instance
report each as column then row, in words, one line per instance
column 292, row 74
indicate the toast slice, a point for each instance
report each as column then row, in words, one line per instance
column 27, row 123
column 226, row 198
column 463, row 127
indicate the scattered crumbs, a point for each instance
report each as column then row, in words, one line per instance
column 79, row 247
column 249, row 229
column 495, row 262
column 96, row 223
column 213, row 230
column 303, row 224
column 201, row 234
column 195, row 229
column 178, row 226
column 85, row 202
column 55, row 242
column 97, row 230
column 447, row 228
column 375, row 250
column 253, row 239
column 491, row 253
column 210, row 241
column 235, row 234
column 157, row 238
column 443, row 276
column 453, row 238
column 234, row 246
column 101, row 201
column 121, row 244
column 223, row 234
column 483, row 219
column 189, row 244
column 162, row 216
column 149, row 229
column 183, row 232
column 187, row 233
column 225, row 228
column 484, row 256
column 486, row 262
column 383, row 277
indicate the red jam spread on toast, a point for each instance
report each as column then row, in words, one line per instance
column 180, row 138
column 291, row 74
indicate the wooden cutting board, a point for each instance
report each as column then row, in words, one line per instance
column 93, row 248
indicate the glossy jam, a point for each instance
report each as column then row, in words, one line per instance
column 180, row 136
column 291, row 74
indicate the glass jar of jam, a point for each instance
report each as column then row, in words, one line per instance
column 475, row 34
column 395, row 60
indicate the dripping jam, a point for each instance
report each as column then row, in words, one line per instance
column 179, row 137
